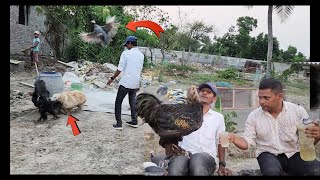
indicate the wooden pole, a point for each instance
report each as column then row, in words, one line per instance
column 30, row 85
column 35, row 63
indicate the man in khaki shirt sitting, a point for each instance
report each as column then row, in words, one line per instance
column 272, row 129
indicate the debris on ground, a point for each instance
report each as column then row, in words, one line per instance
column 177, row 96
column 89, row 74
column 110, row 66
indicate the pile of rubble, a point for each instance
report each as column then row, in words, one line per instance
column 96, row 74
column 88, row 74
column 92, row 74
column 177, row 96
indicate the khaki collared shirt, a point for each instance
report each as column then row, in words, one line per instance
column 275, row 135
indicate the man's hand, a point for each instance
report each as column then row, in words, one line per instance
column 313, row 131
column 111, row 79
column 232, row 137
column 239, row 141
column 223, row 171
column 109, row 82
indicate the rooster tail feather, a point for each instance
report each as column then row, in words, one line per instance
column 146, row 103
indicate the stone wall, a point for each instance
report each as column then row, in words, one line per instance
column 21, row 35
column 219, row 61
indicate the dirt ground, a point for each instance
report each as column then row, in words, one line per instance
column 49, row 147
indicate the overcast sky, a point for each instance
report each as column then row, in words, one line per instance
column 294, row 31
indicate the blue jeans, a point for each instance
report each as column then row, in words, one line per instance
column 199, row 164
column 271, row 165
column 122, row 92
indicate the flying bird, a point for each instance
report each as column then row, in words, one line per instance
column 101, row 34
column 171, row 121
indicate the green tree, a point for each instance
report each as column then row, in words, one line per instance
column 155, row 14
column 284, row 12
column 145, row 38
column 208, row 46
column 195, row 32
column 65, row 23
column 147, row 12
column 167, row 39
column 228, row 43
column 58, row 19
column 259, row 47
column 289, row 54
column 245, row 26
column 299, row 57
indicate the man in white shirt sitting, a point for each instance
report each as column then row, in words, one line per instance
column 272, row 129
column 202, row 144
column 130, row 64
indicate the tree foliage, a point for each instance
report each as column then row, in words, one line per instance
column 65, row 23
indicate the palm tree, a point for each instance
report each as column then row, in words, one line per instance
column 284, row 12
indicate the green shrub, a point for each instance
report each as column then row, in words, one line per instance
column 229, row 73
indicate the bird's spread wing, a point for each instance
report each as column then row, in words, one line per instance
column 111, row 28
column 91, row 37
column 114, row 30
column 109, row 23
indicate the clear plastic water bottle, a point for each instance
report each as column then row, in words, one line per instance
column 307, row 149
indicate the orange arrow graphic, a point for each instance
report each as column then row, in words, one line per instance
column 147, row 24
column 72, row 121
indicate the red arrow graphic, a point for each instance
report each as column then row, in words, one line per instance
column 72, row 121
column 147, row 24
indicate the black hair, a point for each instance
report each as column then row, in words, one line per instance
column 271, row 83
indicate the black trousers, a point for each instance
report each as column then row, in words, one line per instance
column 122, row 92
column 271, row 165
column 199, row 164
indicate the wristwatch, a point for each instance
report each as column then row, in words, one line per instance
column 223, row 163
column 112, row 78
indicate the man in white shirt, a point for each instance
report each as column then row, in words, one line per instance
column 202, row 144
column 130, row 64
column 272, row 129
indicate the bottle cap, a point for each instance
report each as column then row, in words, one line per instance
column 306, row 121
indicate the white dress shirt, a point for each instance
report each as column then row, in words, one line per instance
column 130, row 65
column 274, row 135
column 206, row 138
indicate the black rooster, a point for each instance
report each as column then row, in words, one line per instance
column 40, row 98
column 101, row 34
column 40, row 93
column 171, row 121
column 52, row 107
